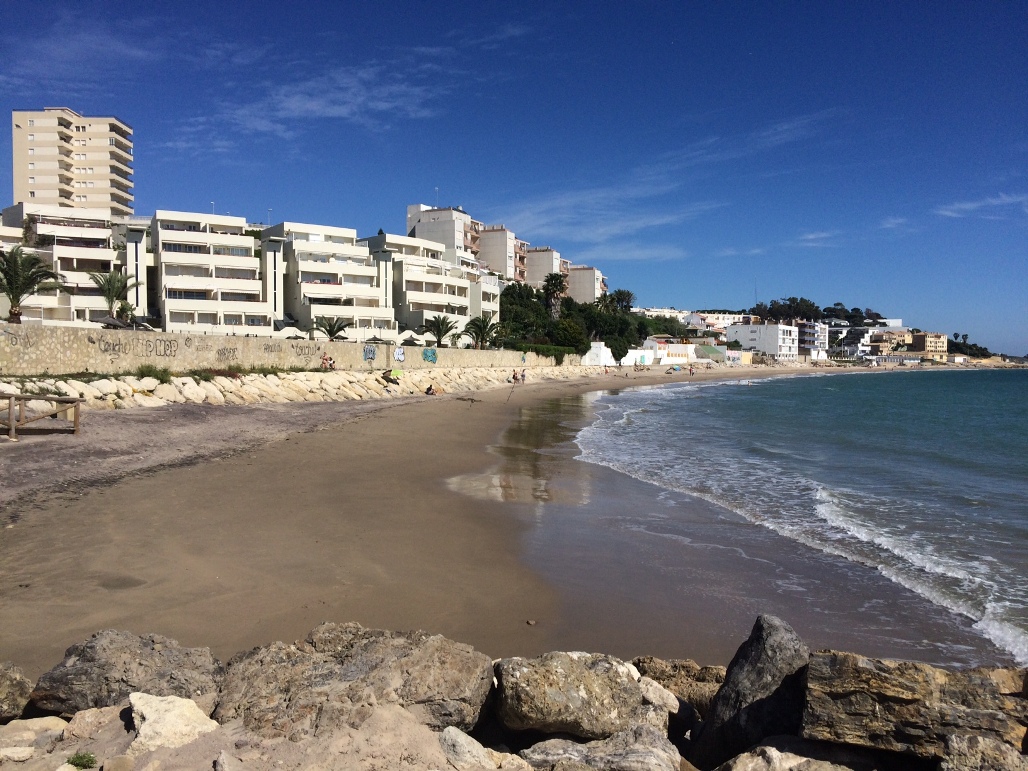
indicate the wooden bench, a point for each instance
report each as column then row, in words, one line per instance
column 16, row 404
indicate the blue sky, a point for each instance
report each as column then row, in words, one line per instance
column 700, row 154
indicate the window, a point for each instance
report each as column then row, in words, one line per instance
column 32, row 165
column 184, row 248
column 32, row 151
column 235, row 251
column 32, row 180
column 32, row 137
column 89, row 184
column 31, row 123
column 32, row 193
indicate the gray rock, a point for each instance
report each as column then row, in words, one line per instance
column 762, row 694
column 790, row 753
column 337, row 675
column 980, row 753
column 904, row 706
column 641, row 748
column 110, row 665
column 591, row 696
column 14, row 691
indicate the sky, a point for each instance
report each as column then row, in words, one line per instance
column 702, row 155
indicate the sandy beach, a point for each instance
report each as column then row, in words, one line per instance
column 231, row 527
column 234, row 526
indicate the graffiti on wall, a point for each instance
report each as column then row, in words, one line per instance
column 428, row 354
column 306, row 351
column 144, row 348
column 19, row 339
column 370, row 352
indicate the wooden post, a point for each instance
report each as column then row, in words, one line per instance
column 10, row 419
column 76, row 408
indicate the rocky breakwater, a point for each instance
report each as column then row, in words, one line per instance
column 350, row 697
column 128, row 392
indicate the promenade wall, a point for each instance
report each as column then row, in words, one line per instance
column 33, row 350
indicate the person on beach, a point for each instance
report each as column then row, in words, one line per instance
column 524, row 377
column 691, row 370
column 430, row 391
column 327, row 362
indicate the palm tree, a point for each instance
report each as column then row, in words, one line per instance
column 482, row 331
column 332, row 326
column 439, row 327
column 623, row 300
column 554, row 287
column 114, row 286
column 23, row 274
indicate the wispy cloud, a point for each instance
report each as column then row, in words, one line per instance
column 732, row 252
column 892, row 223
column 995, row 207
column 818, row 239
column 503, row 34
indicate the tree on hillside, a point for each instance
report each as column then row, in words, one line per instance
column 113, row 285
column 554, row 287
column 439, row 327
column 332, row 326
column 623, row 300
column 23, row 274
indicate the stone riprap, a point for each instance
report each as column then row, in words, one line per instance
column 129, row 392
column 35, row 350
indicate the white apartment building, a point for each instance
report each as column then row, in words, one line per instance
column 671, row 313
column 209, row 278
column 62, row 158
column 75, row 242
column 541, row 261
column 585, row 284
column 813, row 340
column 327, row 273
column 719, row 320
column 502, row 252
column 454, row 228
column 780, row 341
column 424, row 284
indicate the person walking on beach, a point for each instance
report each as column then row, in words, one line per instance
column 524, row 377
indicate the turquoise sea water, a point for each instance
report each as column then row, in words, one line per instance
column 920, row 476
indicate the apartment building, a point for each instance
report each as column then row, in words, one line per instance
column 779, row 341
column 74, row 242
column 62, row 158
column 541, row 261
column 585, row 284
column 813, row 340
column 327, row 273
column 424, row 284
column 671, row 313
column 208, row 276
column 502, row 252
column 934, row 345
column 454, row 228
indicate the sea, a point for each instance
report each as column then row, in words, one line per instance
column 919, row 478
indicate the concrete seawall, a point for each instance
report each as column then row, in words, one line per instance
column 32, row 350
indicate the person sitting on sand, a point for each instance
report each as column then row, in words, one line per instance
column 327, row 362
column 430, row 391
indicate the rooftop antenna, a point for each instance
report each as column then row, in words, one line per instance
column 437, row 198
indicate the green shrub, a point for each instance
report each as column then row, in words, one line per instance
column 163, row 374
column 82, row 760
column 558, row 352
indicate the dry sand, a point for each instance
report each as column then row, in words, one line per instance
column 231, row 527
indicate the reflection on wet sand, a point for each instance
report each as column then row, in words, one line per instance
column 533, row 454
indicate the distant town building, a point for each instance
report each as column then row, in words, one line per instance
column 62, row 158
column 779, row 341
column 934, row 345
column 585, row 284
column 454, row 228
column 541, row 261
column 671, row 313
column 812, row 340
column 502, row 252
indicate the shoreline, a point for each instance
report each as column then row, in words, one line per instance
column 284, row 516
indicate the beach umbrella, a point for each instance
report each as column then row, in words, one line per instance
column 410, row 341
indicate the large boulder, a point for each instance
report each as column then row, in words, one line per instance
column 591, row 696
column 762, row 694
column 166, row 721
column 14, row 691
column 337, row 675
column 790, row 753
column 980, row 753
column 693, row 684
column 110, row 665
column 910, row 707
column 640, row 748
